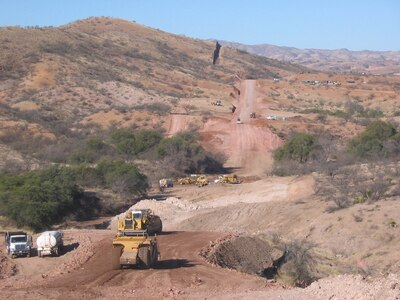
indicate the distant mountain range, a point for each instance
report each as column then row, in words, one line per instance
column 339, row 60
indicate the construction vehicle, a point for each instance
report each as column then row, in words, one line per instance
column 232, row 179
column 141, row 219
column 18, row 243
column 50, row 243
column 202, row 180
column 137, row 248
column 166, row 183
column 199, row 180
column 186, row 180
column 217, row 103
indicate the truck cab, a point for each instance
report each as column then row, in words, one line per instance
column 18, row 244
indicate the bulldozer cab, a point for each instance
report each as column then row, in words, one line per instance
column 133, row 220
column 137, row 217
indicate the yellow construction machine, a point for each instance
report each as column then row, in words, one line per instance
column 137, row 248
column 186, row 180
column 233, row 179
column 202, row 180
column 199, row 180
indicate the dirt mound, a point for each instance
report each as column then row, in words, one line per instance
column 170, row 210
column 243, row 253
column 7, row 267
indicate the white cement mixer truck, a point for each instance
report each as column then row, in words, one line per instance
column 50, row 243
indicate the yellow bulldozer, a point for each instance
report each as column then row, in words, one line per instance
column 186, row 180
column 232, row 179
column 199, row 180
column 137, row 248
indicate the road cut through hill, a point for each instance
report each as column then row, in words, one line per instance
column 247, row 144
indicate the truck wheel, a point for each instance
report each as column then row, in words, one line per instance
column 29, row 254
column 13, row 256
column 39, row 253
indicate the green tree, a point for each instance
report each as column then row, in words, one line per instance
column 39, row 199
column 182, row 154
column 375, row 140
column 121, row 177
column 299, row 148
column 131, row 144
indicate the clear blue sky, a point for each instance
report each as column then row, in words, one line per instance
column 352, row 24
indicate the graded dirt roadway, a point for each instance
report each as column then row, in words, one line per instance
column 181, row 273
column 248, row 145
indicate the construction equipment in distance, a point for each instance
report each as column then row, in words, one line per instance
column 202, row 180
column 186, row 180
column 136, row 246
column 232, row 179
column 199, row 180
column 166, row 183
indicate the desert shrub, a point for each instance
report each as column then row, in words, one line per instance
column 95, row 144
column 81, row 157
column 375, row 190
column 39, row 199
column 94, row 149
column 359, row 200
column 129, row 144
column 376, row 140
column 147, row 139
column 181, row 154
column 299, row 148
column 121, row 177
column 299, row 263
column 121, row 135
column 157, row 108
column 340, row 201
column 290, row 167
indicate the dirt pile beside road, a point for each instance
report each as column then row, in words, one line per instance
column 243, row 253
column 7, row 267
column 170, row 210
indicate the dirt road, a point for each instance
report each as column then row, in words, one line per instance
column 177, row 123
column 181, row 273
column 248, row 145
column 247, row 88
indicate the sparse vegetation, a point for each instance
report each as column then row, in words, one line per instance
column 298, row 148
column 181, row 154
column 380, row 139
column 40, row 199
column 299, row 264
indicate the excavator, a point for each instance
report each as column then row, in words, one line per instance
column 133, row 239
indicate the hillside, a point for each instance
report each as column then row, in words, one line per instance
column 338, row 60
column 94, row 113
column 102, row 73
column 102, row 62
